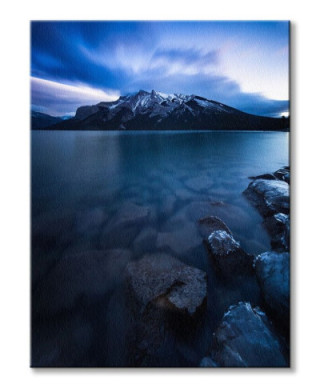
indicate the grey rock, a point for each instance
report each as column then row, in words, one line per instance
column 165, row 296
column 227, row 253
column 283, row 174
column 168, row 283
column 272, row 270
column 85, row 275
column 245, row 338
column 269, row 196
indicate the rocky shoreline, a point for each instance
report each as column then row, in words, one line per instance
column 166, row 298
column 248, row 336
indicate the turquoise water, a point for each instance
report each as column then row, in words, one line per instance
column 80, row 183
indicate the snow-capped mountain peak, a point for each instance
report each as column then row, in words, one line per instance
column 157, row 110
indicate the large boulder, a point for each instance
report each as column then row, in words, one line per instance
column 165, row 281
column 83, row 276
column 281, row 174
column 166, row 298
column 272, row 270
column 269, row 196
column 245, row 338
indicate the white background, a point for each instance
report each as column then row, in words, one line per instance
column 15, row 197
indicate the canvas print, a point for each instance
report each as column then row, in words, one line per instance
column 160, row 212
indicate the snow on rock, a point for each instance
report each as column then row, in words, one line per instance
column 222, row 243
column 227, row 253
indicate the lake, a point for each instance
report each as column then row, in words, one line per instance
column 82, row 181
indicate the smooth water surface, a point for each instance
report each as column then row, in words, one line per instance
column 80, row 183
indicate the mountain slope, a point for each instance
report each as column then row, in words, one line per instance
column 158, row 111
column 42, row 120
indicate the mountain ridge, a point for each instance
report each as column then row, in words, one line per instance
column 159, row 111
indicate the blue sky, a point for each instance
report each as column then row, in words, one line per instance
column 241, row 64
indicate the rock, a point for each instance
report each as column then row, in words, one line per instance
column 207, row 225
column 196, row 209
column 269, row 196
column 283, row 174
column 201, row 183
column 245, row 338
column 163, row 280
column 272, row 270
column 278, row 227
column 89, row 220
column 125, row 226
column 207, row 362
column 145, row 241
column 165, row 297
column 130, row 213
column 167, row 206
column 180, row 240
column 85, row 275
column 226, row 252
column 263, row 176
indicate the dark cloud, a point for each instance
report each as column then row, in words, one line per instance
column 128, row 56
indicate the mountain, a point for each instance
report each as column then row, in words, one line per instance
column 42, row 120
column 159, row 111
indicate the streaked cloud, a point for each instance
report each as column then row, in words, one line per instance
column 241, row 64
column 55, row 96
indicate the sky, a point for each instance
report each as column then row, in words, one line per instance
column 241, row 64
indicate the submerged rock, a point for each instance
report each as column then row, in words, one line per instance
column 166, row 282
column 269, row 196
column 145, row 241
column 88, row 275
column 200, row 183
column 245, row 338
column 207, row 225
column 125, row 226
column 180, row 240
column 272, row 270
